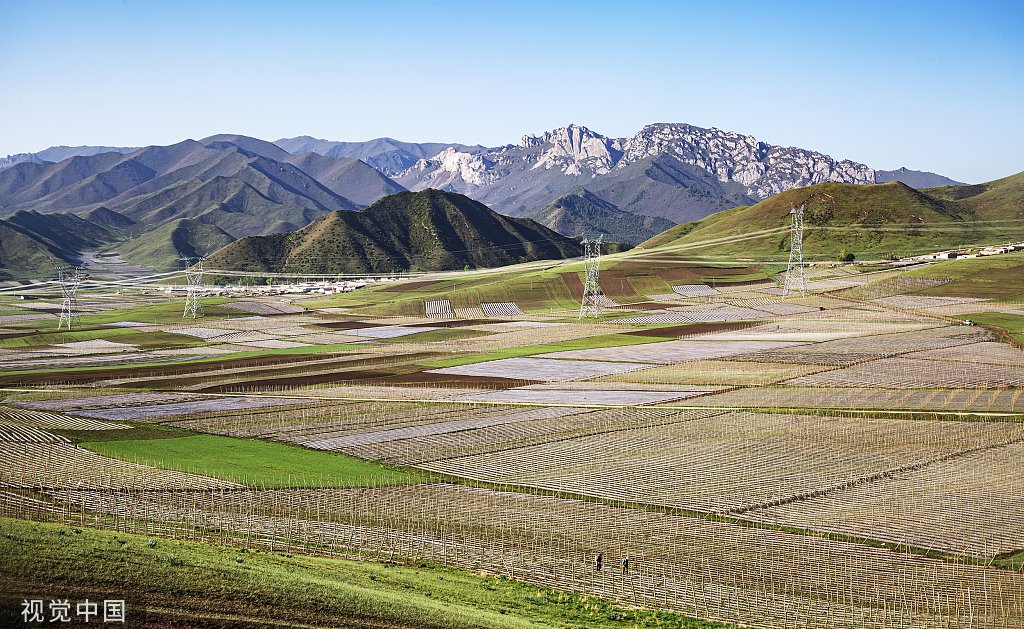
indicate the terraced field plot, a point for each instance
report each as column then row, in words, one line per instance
column 159, row 412
column 348, row 442
column 909, row 373
column 729, row 462
column 844, row 352
column 813, row 331
column 941, row 400
column 986, row 352
column 545, row 369
column 711, row 372
column 970, row 505
column 39, row 465
column 576, row 397
column 39, row 419
column 668, row 352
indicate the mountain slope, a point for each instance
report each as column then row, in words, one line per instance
column 874, row 219
column 351, row 178
column 22, row 256
column 161, row 247
column 582, row 213
column 999, row 200
column 63, row 232
column 427, row 230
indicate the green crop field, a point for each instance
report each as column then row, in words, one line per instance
column 251, row 462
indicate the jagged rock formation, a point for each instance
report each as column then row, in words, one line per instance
column 721, row 170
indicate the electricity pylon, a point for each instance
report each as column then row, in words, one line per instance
column 591, row 305
column 69, row 278
column 796, row 279
column 194, row 274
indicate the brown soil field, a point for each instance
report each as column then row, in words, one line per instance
column 406, row 286
column 160, row 372
column 574, row 284
column 373, row 378
column 333, row 366
column 613, row 283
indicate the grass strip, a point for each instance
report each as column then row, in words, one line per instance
column 252, row 462
column 174, row 583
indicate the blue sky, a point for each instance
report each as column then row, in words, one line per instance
column 930, row 86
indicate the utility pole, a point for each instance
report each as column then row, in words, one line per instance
column 796, row 279
column 591, row 305
column 70, row 278
column 194, row 274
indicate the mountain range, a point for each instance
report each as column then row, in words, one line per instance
column 677, row 171
column 570, row 179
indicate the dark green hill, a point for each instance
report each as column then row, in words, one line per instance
column 873, row 219
column 64, row 233
column 22, row 256
column 161, row 247
column 428, row 230
column 999, row 200
column 582, row 213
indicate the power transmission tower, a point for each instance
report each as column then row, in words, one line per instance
column 796, row 279
column 592, row 289
column 69, row 278
column 194, row 273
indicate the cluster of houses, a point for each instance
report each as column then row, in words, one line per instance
column 326, row 287
column 973, row 253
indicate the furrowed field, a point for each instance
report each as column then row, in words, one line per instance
column 848, row 458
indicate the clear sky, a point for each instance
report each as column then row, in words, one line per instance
column 934, row 86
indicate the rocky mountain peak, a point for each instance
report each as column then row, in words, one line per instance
column 576, row 148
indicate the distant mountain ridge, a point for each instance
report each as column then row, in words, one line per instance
column 60, row 153
column 388, row 156
column 675, row 171
column 242, row 186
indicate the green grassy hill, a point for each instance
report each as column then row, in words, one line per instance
column 21, row 256
column 999, row 200
column 868, row 221
column 174, row 583
column 428, row 230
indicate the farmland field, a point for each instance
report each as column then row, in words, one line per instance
column 848, row 458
